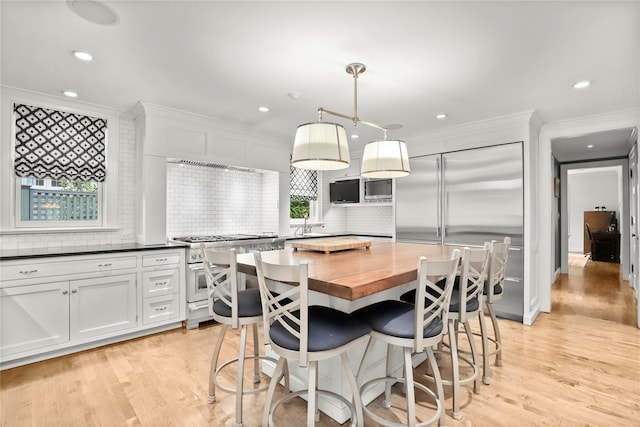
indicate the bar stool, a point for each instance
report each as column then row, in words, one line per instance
column 493, row 291
column 233, row 308
column 466, row 301
column 306, row 334
column 415, row 328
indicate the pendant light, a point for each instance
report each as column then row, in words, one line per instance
column 323, row 145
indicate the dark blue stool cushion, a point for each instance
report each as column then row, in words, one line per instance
column 328, row 329
column 249, row 304
column 497, row 289
column 454, row 306
column 395, row 318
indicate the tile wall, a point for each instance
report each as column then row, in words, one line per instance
column 210, row 200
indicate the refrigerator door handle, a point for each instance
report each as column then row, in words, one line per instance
column 513, row 279
column 439, row 201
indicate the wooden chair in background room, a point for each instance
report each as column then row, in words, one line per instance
column 414, row 328
column 306, row 334
column 235, row 308
column 493, row 291
column 590, row 236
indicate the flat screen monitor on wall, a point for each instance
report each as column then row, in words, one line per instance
column 345, row 191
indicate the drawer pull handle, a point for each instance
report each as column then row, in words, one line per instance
column 161, row 309
column 105, row 265
column 161, row 283
column 161, row 259
column 28, row 271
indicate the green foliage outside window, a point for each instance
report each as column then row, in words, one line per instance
column 299, row 208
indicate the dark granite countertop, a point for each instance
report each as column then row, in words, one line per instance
column 9, row 255
column 321, row 235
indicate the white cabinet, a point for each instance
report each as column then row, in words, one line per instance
column 33, row 317
column 102, row 305
column 56, row 305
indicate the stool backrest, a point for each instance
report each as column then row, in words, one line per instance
column 289, row 308
column 432, row 301
column 221, row 271
column 475, row 266
column 497, row 267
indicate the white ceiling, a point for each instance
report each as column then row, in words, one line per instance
column 471, row 60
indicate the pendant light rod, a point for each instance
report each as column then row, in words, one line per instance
column 355, row 69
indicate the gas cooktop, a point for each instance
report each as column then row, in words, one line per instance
column 215, row 238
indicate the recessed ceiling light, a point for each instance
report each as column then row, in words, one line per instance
column 94, row 11
column 590, row 146
column 582, row 84
column 70, row 94
column 441, row 116
column 263, row 109
column 83, row 56
column 355, row 136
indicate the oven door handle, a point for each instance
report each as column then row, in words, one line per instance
column 196, row 267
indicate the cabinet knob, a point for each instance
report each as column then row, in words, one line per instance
column 73, row 291
column 65, row 292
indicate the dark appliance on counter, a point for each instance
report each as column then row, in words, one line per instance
column 197, row 292
column 345, row 191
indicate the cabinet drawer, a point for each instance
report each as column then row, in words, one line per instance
column 160, row 259
column 161, row 282
column 57, row 268
column 160, row 308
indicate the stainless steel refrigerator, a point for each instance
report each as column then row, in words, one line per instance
column 467, row 198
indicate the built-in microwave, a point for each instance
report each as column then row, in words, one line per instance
column 378, row 189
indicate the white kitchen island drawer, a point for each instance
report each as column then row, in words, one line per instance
column 161, row 282
column 35, row 270
column 160, row 308
column 160, row 259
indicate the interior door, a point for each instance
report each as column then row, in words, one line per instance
column 633, row 219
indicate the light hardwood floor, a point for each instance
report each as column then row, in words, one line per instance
column 577, row 366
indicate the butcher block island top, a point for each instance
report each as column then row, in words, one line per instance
column 332, row 244
column 358, row 273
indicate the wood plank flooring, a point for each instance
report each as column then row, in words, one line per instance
column 577, row 366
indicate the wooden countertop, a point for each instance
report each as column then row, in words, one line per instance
column 355, row 273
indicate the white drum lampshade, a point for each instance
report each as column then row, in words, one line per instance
column 385, row 159
column 320, row 146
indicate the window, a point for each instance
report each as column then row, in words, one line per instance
column 60, row 165
column 303, row 188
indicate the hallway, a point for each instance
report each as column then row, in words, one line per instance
column 595, row 290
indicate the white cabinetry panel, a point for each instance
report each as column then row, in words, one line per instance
column 33, row 317
column 102, row 305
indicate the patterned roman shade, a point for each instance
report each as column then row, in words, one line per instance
column 56, row 144
column 303, row 184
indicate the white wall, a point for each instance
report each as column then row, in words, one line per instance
column 586, row 190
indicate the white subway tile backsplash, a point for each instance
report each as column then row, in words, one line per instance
column 209, row 200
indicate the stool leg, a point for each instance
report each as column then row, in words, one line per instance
column 387, row 385
column 240, row 378
column 411, row 392
column 496, row 332
column 214, row 363
column 275, row 379
column 474, row 357
column 256, row 361
column 311, row 393
column 357, row 402
column 455, row 369
column 486, row 369
column 438, row 381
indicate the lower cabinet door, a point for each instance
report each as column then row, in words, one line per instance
column 102, row 306
column 33, row 317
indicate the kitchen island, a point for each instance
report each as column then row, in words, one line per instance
column 348, row 280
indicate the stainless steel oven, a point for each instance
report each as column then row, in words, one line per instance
column 197, row 292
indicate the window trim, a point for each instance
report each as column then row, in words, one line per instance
column 8, row 192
